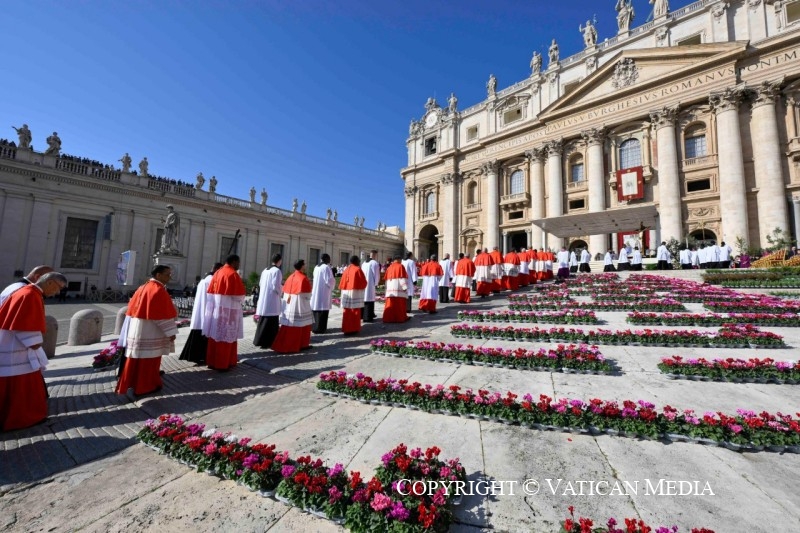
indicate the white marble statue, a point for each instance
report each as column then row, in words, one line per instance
column 25, row 136
column 143, row 167
column 294, row 205
column 328, row 214
column 212, row 184
column 53, row 145
column 452, row 103
column 625, row 14
column 660, row 8
column 536, row 63
column 201, row 180
column 252, row 194
column 335, row 215
column 263, row 196
column 589, row 34
column 126, row 162
column 491, row 85
column 552, row 53
column 303, row 207
column 172, row 230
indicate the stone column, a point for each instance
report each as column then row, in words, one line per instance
column 772, row 212
column 596, row 180
column 492, row 204
column 536, row 160
column 796, row 210
column 411, row 217
column 555, row 184
column 732, row 193
column 669, row 185
column 449, row 214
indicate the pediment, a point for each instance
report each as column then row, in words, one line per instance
column 633, row 70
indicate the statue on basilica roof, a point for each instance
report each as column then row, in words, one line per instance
column 25, row 136
column 625, row 14
column 536, row 64
column 589, row 34
column 552, row 53
column 660, row 8
column 491, row 85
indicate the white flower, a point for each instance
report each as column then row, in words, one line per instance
column 207, row 433
column 231, row 438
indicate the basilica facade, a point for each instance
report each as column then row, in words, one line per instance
column 686, row 126
column 106, row 227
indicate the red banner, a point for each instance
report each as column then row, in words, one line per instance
column 630, row 184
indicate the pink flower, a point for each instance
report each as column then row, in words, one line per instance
column 380, row 501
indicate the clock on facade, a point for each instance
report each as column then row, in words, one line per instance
column 430, row 120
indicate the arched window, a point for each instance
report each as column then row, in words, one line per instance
column 630, row 154
column 472, row 193
column 576, row 169
column 517, row 182
column 694, row 141
column 430, row 203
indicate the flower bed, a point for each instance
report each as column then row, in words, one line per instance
column 729, row 336
column 744, row 431
column 108, row 357
column 714, row 320
column 791, row 295
column 751, row 370
column 632, row 525
column 754, row 305
column 653, row 304
column 542, row 317
column 583, row 358
column 328, row 492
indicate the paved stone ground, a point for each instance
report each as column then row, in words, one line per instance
column 82, row 470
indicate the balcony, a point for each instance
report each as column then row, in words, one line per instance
column 577, row 185
column 695, row 163
column 515, row 200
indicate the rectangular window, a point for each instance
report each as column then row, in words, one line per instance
column 577, row 204
column 227, row 247
column 698, row 185
column 276, row 249
column 694, row 39
column 344, row 258
column 576, row 173
column 472, row 133
column 515, row 215
column 792, row 12
column 430, row 146
column 313, row 257
column 80, row 237
column 695, row 146
column 512, row 116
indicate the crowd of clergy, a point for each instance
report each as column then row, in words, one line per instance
column 288, row 311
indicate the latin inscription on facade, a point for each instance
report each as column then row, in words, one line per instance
column 649, row 98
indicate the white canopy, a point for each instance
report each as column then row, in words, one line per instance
column 624, row 219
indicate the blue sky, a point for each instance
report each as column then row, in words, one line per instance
column 307, row 98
